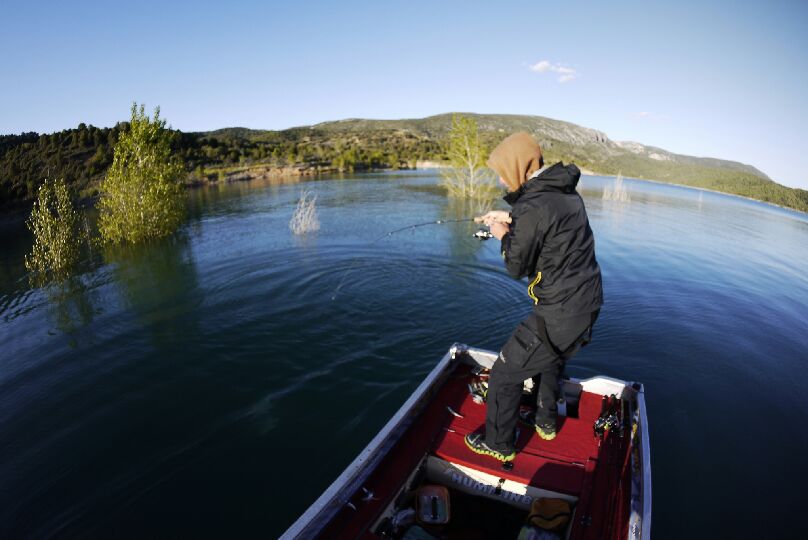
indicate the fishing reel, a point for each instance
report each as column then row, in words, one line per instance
column 483, row 234
column 608, row 420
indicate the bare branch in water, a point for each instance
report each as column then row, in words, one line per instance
column 305, row 220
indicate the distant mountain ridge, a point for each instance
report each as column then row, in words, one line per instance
column 591, row 149
column 546, row 130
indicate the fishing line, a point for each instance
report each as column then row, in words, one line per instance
column 391, row 233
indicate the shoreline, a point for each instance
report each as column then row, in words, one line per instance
column 697, row 188
column 266, row 173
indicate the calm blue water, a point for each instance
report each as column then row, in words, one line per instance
column 209, row 385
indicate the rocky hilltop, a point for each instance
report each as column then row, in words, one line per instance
column 591, row 145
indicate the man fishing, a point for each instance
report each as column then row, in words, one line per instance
column 546, row 237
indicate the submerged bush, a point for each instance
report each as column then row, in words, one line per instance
column 617, row 192
column 304, row 220
column 58, row 231
column 467, row 176
column 141, row 196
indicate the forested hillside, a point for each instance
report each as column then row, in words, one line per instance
column 82, row 155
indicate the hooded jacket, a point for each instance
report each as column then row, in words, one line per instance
column 550, row 242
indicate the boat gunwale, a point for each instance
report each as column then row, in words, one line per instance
column 645, row 456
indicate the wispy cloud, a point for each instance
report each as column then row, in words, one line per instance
column 565, row 74
column 645, row 115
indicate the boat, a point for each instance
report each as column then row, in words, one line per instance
column 598, row 464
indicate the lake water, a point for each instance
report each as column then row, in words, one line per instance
column 215, row 383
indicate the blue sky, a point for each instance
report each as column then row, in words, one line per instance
column 721, row 79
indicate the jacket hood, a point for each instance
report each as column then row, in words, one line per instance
column 559, row 178
column 515, row 159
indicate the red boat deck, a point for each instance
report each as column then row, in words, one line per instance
column 558, row 465
column 574, row 463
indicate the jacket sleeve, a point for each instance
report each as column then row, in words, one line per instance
column 522, row 245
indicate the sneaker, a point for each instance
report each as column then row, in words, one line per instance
column 476, row 443
column 546, row 431
column 527, row 416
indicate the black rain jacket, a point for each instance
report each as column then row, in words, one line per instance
column 551, row 243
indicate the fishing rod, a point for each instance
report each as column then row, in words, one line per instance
column 482, row 234
column 424, row 224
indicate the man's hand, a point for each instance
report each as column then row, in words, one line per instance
column 494, row 216
column 499, row 229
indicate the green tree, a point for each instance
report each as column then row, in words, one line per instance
column 141, row 196
column 394, row 161
column 346, row 161
column 467, row 175
column 58, row 234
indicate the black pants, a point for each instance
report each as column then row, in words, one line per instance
column 524, row 356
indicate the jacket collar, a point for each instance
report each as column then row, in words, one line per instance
column 558, row 178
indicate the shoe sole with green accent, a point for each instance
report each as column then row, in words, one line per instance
column 546, row 435
column 491, row 453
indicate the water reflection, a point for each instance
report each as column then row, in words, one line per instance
column 463, row 246
column 232, row 197
column 16, row 241
column 158, row 282
column 72, row 306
